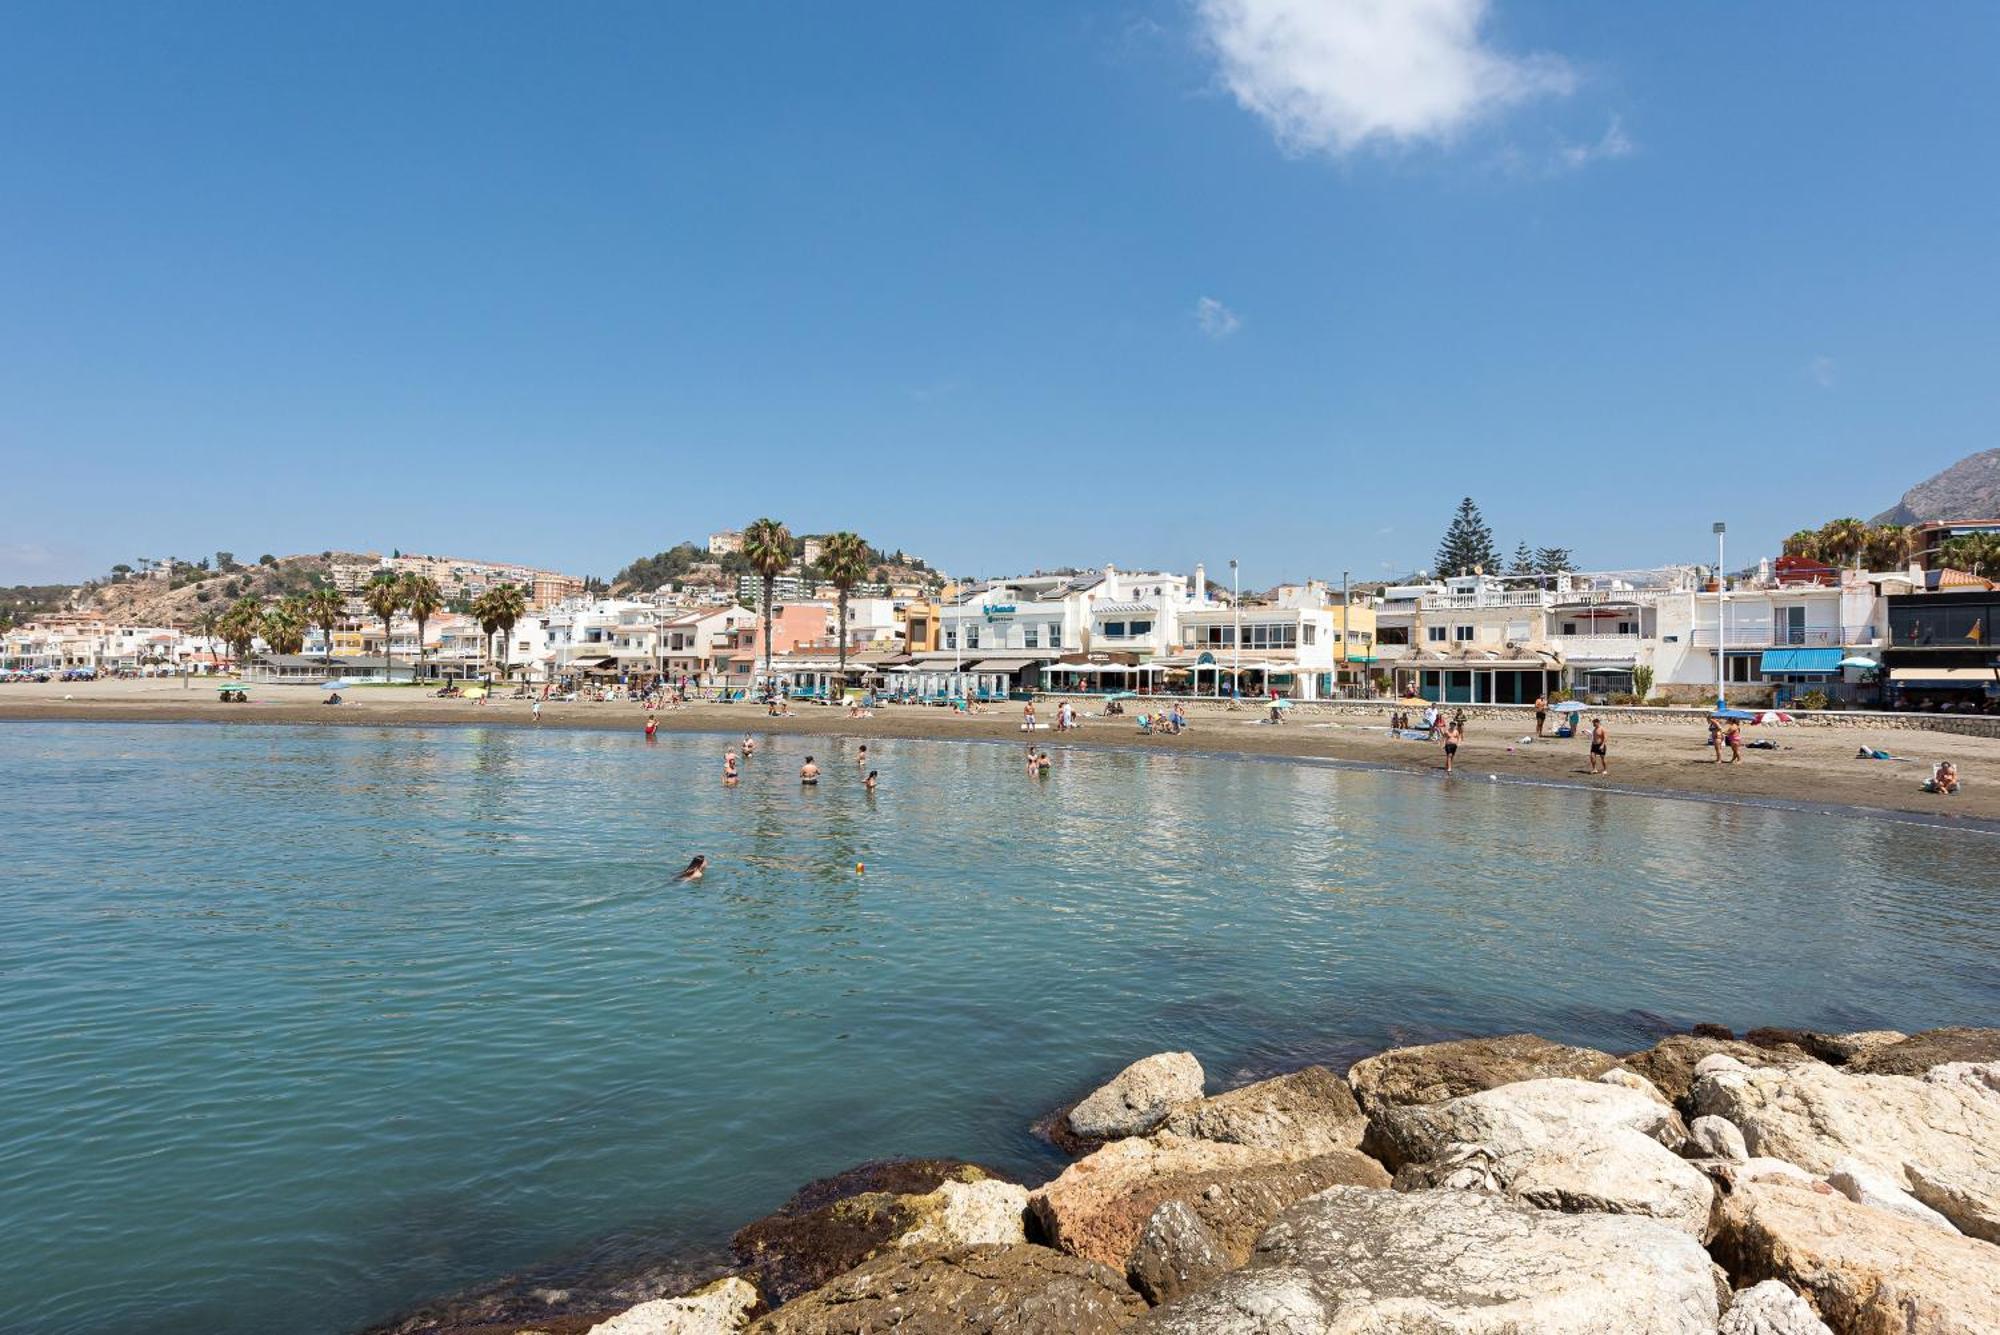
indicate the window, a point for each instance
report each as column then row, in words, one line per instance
column 1463, row 634
column 1434, row 634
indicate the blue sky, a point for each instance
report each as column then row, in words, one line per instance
column 1008, row 285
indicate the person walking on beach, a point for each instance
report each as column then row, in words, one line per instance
column 1541, row 714
column 1600, row 759
column 1452, row 734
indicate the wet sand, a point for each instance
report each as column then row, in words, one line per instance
column 1814, row 766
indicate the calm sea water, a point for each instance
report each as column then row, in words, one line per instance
column 304, row 1025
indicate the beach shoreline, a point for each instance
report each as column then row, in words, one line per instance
column 1813, row 769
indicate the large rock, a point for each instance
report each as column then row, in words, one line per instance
column 1933, row 1047
column 1439, row 1071
column 1868, row 1272
column 1101, row 1203
column 1939, row 1141
column 1138, row 1098
column 1019, row 1290
column 1383, row 1263
column 1570, row 1145
column 1670, row 1063
column 1771, row 1308
column 723, row 1308
column 836, row 1223
column 1176, row 1253
column 1299, row 1115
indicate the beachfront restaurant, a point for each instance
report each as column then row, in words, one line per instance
column 1510, row 675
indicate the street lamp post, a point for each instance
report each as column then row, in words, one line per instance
column 1721, row 632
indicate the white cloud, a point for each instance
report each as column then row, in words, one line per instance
column 1334, row 75
column 1821, row 370
column 1216, row 320
column 1614, row 143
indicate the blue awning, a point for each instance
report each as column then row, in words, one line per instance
column 1824, row 661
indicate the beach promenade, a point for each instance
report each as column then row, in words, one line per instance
column 1812, row 764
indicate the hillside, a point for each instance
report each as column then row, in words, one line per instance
column 1969, row 489
column 152, row 603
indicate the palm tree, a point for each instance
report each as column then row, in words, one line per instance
column 423, row 598
column 844, row 559
column 498, row 609
column 384, row 597
column 1803, row 544
column 767, row 546
column 1842, row 541
column 284, row 627
column 240, row 626
column 326, row 609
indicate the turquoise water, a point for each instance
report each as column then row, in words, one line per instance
column 305, row 1025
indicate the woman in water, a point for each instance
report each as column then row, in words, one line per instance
column 809, row 772
column 694, row 869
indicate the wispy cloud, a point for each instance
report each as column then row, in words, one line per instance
column 1215, row 319
column 1333, row 76
column 1613, row 143
column 1822, row 372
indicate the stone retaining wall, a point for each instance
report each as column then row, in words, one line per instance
column 1378, row 710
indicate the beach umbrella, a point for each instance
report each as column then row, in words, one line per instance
column 1571, row 707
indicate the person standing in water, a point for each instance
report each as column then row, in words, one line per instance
column 809, row 772
column 694, row 869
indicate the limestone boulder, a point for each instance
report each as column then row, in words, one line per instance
column 1355, row 1261
column 1866, row 1271
column 834, row 1224
column 1017, row 1290
column 1435, row 1072
column 1100, row 1204
column 1176, row 1253
column 1771, row 1308
column 1933, row 1047
column 1300, row 1115
column 1939, row 1141
column 1138, row 1098
column 1568, row 1145
column 1670, row 1063
column 722, row 1308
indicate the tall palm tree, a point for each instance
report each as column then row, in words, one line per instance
column 326, row 609
column 422, row 597
column 1842, row 541
column 844, row 559
column 384, row 597
column 498, row 609
column 767, row 546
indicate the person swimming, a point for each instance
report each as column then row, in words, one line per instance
column 694, row 869
column 809, row 772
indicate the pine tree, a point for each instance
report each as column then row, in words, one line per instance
column 1524, row 561
column 1467, row 545
column 1553, row 560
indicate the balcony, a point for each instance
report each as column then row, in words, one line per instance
column 1762, row 634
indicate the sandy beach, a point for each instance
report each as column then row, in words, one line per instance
column 1812, row 766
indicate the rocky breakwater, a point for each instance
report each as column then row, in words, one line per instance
column 1781, row 1184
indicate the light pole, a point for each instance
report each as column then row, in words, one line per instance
column 1236, row 633
column 1721, row 633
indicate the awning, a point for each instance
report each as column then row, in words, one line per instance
column 1826, row 661
column 1944, row 676
column 1003, row 664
